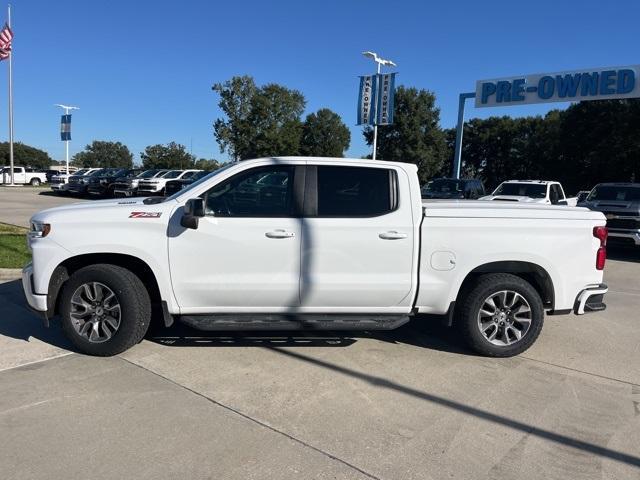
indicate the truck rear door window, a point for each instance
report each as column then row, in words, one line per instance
column 355, row 191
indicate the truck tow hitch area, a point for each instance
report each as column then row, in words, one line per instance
column 591, row 300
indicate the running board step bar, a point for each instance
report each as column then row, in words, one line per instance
column 293, row 321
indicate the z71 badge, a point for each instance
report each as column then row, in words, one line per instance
column 145, row 214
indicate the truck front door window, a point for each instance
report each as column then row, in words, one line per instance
column 259, row 192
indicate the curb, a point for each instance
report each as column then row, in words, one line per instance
column 9, row 274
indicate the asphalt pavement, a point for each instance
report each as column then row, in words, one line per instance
column 18, row 204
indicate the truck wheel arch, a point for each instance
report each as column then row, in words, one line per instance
column 537, row 276
column 138, row 267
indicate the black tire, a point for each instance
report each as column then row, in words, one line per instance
column 472, row 300
column 35, row 182
column 135, row 308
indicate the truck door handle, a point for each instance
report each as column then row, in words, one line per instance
column 392, row 235
column 280, row 234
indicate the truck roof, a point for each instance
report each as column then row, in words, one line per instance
column 618, row 184
column 530, row 181
column 329, row 160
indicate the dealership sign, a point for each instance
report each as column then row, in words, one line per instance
column 572, row 86
column 376, row 99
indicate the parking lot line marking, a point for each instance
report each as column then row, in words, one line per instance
column 256, row 421
column 36, row 361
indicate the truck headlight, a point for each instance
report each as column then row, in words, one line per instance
column 39, row 230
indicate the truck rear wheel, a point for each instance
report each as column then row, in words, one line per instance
column 35, row 182
column 501, row 315
column 105, row 309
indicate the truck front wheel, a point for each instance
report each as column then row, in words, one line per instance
column 500, row 315
column 105, row 309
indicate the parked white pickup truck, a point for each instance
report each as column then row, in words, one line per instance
column 155, row 185
column 22, row 176
column 531, row 191
column 312, row 243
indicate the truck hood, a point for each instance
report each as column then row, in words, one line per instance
column 513, row 198
column 103, row 209
column 620, row 208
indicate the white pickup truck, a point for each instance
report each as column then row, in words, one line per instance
column 22, row 176
column 531, row 191
column 155, row 185
column 312, row 243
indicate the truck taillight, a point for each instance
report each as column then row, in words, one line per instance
column 601, row 234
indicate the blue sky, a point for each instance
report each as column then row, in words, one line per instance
column 141, row 71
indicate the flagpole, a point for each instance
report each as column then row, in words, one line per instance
column 10, row 101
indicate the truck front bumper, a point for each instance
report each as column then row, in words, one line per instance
column 629, row 235
column 37, row 302
column 591, row 299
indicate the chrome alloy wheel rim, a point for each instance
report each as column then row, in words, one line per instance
column 95, row 312
column 504, row 318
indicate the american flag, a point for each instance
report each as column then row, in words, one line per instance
column 6, row 36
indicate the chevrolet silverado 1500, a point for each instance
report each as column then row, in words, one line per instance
column 312, row 243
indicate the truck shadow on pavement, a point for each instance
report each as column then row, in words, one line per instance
column 17, row 321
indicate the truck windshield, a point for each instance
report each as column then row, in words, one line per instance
column 615, row 192
column 200, row 181
column 531, row 190
column 148, row 173
column 81, row 171
column 172, row 174
column 443, row 186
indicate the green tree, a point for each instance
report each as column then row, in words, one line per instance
column 206, row 164
column 588, row 143
column 25, row 155
column 171, row 155
column 415, row 136
column 324, row 135
column 104, row 154
column 260, row 121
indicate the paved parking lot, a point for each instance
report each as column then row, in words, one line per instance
column 412, row 403
column 17, row 204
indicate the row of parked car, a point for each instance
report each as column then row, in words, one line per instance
column 620, row 202
column 124, row 182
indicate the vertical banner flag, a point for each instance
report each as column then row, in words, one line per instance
column 366, row 99
column 65, row 128
column 386, row 94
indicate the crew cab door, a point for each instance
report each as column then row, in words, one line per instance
column 245, row 254
column 358, row 239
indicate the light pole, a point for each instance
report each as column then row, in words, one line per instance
column 67, row 109
column 380, row 61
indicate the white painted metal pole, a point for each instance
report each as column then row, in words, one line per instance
column 10, row 102
column 375, row 119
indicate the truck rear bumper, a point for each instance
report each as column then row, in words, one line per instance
column 35, row 301
column 591, row 299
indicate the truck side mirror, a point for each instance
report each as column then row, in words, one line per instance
column 192, row 211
